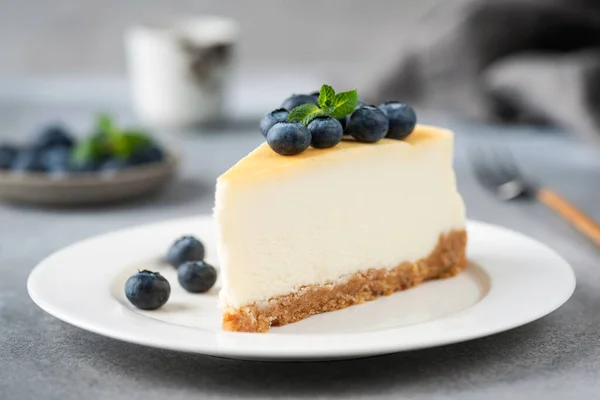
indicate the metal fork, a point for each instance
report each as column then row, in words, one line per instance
column 496, row 170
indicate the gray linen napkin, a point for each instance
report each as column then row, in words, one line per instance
column 505, row 60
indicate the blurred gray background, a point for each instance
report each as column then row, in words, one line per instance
column 324, row 38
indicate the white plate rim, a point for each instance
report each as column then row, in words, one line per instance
column 489, row 316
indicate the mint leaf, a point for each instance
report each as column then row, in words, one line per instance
column 304, row 112
column 128, row 142
column 326, row 97
column 345, row 103
column 87, row 150
column 328, row 110
column 106, row 126
column 312, row 116
column 137, row 140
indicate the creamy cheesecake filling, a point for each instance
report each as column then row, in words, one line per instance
column 446, row 260
column 335, row 212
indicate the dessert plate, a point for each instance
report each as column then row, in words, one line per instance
column 511, row 280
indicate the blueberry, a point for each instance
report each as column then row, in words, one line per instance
column 56, row 158
column 296, row 100
column 114, row 165
column 186, row 248
column 402, row 119
column 56, row 161
column 53, row 136
column 147, row 155
column 367, row 124
column 325, row 132
column 28, row 160
column 7, row 155
column 270, row 119
column 343, row 121
column 147, row 290
column 196, row 276
column 86, row 166
column 288, row 138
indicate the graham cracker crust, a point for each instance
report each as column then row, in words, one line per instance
column 447, row 259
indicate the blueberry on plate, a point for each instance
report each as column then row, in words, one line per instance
column 114, row 164
column 147, row 290
column 402, row 119
column 270, row 119
column 367, row 124
column 196, row 276
column 296, row 100
column 28, row 160
column 186, row 248
column 56, row 158
column 288, row 138
column 147, row 155
column 53, row 136
column 85, row 166
column 325, row 132
column 7, row 155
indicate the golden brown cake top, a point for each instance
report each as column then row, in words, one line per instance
column 264, row 161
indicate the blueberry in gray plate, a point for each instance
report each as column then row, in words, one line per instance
column 325, row 132
column 7, row 155
column 186, row 248
column 56, row 159
column 196, row 276
column 367, row 124
column 147, row 290
column 53, row 136
column 147, row 155
column 270, row 119
column 86, row 166
column 114, row 164
column 296, row 100
column 288, row 138
column 402, row 119
column 28, row 160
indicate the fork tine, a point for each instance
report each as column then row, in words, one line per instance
column 486, row 175
column 496, row 169
column 506, row 164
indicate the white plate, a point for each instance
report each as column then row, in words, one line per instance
column 512, row 280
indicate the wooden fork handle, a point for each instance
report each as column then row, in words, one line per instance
column 571, row 213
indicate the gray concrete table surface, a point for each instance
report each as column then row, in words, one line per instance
column 553, row 358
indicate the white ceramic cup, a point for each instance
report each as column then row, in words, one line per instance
column 179, row 70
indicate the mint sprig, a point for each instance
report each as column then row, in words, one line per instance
column 345, row 103
column 109, row 141
column 305, row 113
column 327, row 98
column 330, row 104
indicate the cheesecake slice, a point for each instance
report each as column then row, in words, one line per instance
column 326, row 229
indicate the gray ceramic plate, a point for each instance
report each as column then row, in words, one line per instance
column 86, row 188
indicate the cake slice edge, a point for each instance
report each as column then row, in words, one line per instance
column 446, row 259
